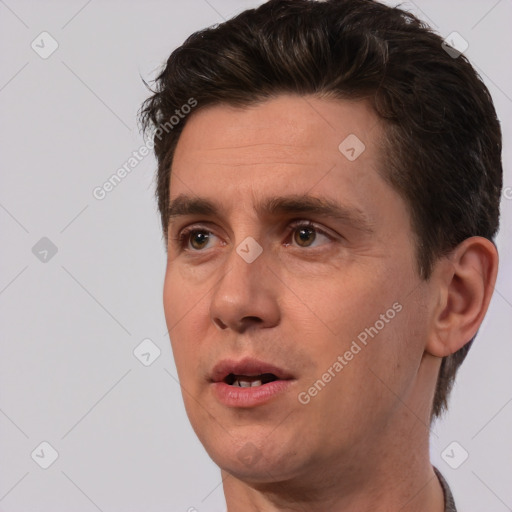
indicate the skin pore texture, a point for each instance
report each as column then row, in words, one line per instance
column 361, row 443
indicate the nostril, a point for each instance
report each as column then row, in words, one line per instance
column 240, row 326
column 220, row 323
column 252, row 319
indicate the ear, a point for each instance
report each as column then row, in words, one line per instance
column 463, row 283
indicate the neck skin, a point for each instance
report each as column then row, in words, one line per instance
column 390, row 474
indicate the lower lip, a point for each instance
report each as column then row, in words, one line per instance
column 235, row 396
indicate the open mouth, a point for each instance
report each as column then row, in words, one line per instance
column 249, row 381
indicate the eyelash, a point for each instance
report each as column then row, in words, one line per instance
column 184, row 235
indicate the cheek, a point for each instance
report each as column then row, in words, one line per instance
column 371, row 321
column 345, row 306
column 374, row 382
column 183, row 294
column 185, row 313
column 392, row 355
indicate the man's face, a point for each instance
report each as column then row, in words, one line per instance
column 267, row 284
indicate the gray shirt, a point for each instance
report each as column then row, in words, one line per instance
column 449, row 503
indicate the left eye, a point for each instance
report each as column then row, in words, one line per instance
column 305, row 234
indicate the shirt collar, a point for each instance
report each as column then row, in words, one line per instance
column 449, row 503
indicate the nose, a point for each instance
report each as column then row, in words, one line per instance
column 246, row 296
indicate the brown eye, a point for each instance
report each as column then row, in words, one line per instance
column 198, row 239
column 304, row 236
column 307, row 235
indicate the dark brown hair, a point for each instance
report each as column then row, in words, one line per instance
column 442, row 137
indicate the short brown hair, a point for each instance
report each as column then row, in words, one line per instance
column 443, row 138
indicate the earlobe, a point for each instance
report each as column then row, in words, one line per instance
column 465, row 280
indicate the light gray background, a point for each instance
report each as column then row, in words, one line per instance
column 69, row 326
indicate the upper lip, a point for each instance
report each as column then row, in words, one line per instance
column 247, row 366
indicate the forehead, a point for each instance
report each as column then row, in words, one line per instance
column 289, row 145
column 286, row 129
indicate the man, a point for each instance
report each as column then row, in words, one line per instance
column 329, row 176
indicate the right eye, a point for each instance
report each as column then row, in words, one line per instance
column 194, row 238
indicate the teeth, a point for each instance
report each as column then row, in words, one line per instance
column 246, row 383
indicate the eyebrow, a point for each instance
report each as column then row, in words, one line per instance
column 185, row 205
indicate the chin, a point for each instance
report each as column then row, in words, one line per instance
column 260, row 473
column 256, row 462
